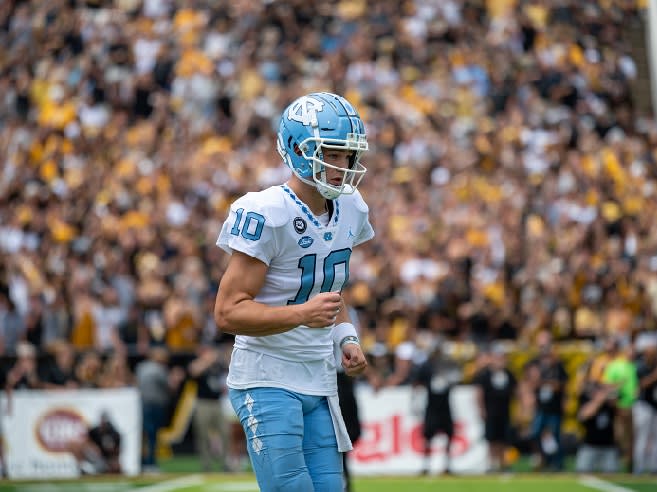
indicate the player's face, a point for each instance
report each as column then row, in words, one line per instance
column 340, row 159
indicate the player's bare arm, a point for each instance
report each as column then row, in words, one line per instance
column 238, row 313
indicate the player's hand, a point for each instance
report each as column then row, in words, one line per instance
column 353, row 359
column 322, row 309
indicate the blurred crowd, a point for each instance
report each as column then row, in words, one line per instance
column 511, row 181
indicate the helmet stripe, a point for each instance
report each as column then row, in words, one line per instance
column 347, row 112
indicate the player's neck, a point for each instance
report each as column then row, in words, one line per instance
column 309, row 195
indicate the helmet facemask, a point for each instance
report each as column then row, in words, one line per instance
column 351, row 176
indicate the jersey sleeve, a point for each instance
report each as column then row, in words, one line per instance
column 250, row 229
column 366, row 232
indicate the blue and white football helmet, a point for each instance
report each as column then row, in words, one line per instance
column 318, row 121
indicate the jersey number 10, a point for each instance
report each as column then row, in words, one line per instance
column 307, row 266
column 252, row 230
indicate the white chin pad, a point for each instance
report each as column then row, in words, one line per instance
column 328, row 193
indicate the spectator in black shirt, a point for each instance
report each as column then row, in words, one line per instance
column 34, row 322
column 132, row 330
column 644, row 410
column 598, row 451
column 100, row 450
column 438, row 375
column 548, row 377
column 60, row 373
column 497, row 388
column 209, row 422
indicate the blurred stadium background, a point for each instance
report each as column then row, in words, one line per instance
column 512, row 184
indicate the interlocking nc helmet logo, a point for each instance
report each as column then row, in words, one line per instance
column 304, row 110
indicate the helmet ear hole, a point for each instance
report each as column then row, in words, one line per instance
column 297, row 150
column 352, row 160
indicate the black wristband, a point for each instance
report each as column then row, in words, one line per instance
column 349, row 339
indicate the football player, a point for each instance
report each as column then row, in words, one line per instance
column 290, row 247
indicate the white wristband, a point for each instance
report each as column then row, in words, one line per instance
column 343, row 330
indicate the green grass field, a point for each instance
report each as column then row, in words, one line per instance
column 196, row 482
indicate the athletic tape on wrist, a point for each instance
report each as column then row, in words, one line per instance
column 343, row 330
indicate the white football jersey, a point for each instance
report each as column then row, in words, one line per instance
column 304, row 258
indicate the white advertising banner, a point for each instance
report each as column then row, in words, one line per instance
column 40, row 427
column 392, row 442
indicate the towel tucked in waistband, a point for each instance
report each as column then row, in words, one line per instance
column 341, row 435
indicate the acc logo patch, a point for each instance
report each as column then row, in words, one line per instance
column 305, row 241
column 299, row 225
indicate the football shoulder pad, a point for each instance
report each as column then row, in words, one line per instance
column 270, row 203
column 356, row 200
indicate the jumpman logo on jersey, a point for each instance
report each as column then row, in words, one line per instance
column 351, row 234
